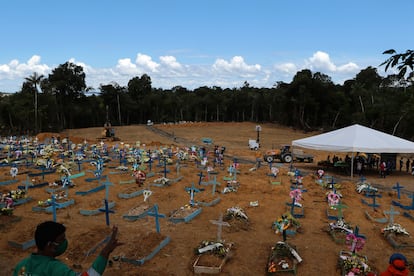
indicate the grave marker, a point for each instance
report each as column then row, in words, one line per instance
column 391, row 212
column 153, row 212
column 373, row 195
column 200, row 174
column 339, row 208
column 220, row 223
column 398, row 188
column 107, row 211
column 192, row 191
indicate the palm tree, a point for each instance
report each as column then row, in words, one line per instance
column 35, row 80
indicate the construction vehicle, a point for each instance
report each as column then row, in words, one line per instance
column 108, row 132
column 253, row 144
column 285, row 155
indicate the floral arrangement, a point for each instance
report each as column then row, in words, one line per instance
column 354, row 264
column 354, row 242
column 237, row 213
column 394, row 228
column 17, row 194
column 215, row 248
column 284, row 222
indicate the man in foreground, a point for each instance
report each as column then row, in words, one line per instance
column 51, row 242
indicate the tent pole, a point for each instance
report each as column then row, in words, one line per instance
column 352, row 165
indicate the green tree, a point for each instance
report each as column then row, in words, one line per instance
column 35, row 79
column 404, row 62
column 139, row 88
column 67, row 83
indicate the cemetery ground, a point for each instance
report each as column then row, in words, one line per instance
column 251, row 245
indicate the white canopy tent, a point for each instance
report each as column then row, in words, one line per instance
column 356, row 138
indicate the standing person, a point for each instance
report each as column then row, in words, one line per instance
column 51, row 242
column 383, row 169
column 412, row 166
column 359, row 167
column 397, row 266
column 407, row 164
column 401, row 163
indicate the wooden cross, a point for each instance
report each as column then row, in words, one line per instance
column 391, row 212
column 106, row 210
column 412, row 201
column 178, row 166
column 79, row 162
column 373, row 195
column 192, row 191
column 165, row 167
column 357, row 234
column 107, row 183
column 339, row 208
column 200, row 174
column 153, row 212
column 214, row 183
column 398, row 188
column 54, row 207
column 362, row 179
column 150, row 161
column 27, row 183
column 220, row 223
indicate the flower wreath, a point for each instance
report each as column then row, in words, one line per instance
column 333, row 198
column 296, row 194
column 14, row 171
column 354, row 242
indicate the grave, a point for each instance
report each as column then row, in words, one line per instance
column 283, row 258
column 8, row 182
column 101, row 186
column 96, row 211
column 339, row 230
column 51, row 205
column 210, row 199
column 212, row 255
column 153, row 212
column 395, row 234
column 296, row 209
column 30, row 185
column 337, row 207
column 376, row 215
column 141, row 210
column 189, row 211
column 286, row 224
column 405, row 207
column 237, row 219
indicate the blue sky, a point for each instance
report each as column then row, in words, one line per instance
column 196, row 43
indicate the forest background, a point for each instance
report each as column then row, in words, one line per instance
column 311, row 101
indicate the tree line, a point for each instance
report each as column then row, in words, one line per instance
column 310, row 101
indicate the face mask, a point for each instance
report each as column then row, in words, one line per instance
column 61, row 248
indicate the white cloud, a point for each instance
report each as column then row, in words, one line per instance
column 126, row 67
column 170, row 61
column 236, row 65
column 287, row 68
column 169, row 72
column 17, row 71
column 321, row 62
column 349, row 68
column 146, row 62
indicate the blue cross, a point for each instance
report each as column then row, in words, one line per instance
column 391, row 212
column 153, row 212
column 192, row 191
column 107, row 211
column 398, row 188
